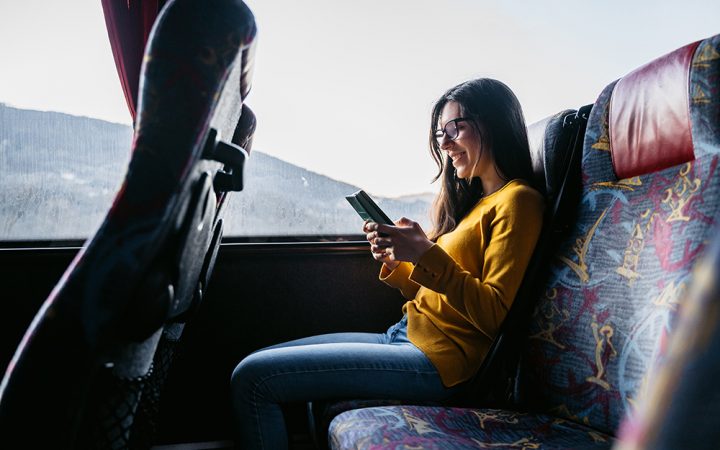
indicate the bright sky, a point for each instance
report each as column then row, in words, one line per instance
column 345, row 88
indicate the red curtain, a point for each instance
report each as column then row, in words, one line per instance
column 128, row 24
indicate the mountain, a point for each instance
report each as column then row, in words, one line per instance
column 60, row 173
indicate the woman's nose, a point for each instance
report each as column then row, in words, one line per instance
column 445, row 142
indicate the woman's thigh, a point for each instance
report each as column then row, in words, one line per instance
column 333, row 338
column 319, row 369
column 392, row 333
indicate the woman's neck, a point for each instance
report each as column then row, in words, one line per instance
column 491, row 183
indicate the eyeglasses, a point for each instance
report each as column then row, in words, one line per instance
column 450, row 129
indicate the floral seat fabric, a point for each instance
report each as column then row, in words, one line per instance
column 610, row 305
column 438, row 428
column 682, row 407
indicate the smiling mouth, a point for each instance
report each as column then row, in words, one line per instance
column 457, row 156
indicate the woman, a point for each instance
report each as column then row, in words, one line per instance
column 460, row 281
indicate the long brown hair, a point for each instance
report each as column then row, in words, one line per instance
column 496, row 116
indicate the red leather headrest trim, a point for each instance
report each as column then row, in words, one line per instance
column 649, row 119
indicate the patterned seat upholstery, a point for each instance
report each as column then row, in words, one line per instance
column 614, row 291
column 682, row 406
column 442, row 428
column 610, row 300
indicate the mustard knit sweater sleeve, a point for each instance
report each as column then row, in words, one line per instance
column 461, row 288
column 400, row 278
column 483, row 301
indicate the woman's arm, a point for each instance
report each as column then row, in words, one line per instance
column 484, row 301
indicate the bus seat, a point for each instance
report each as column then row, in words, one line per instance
column 89, row 370
column 650, row 198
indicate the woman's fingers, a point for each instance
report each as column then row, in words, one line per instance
column 375, row 248
column 406, row 236
column 374, row 237
column 382, row 242
column 384, row 255
column 368, row 226
column 402, row 226
column 385, row 230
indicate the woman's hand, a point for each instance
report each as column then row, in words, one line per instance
column 406, row 241
column 379, row 253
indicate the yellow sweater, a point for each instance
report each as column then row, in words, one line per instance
column 462, row 287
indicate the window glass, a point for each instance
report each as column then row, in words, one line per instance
column 342, row 92
column 64, row 125
column 59, row 173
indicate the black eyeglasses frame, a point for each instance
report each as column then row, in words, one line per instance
column 439, row 133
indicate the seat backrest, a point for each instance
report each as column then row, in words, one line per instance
column 649, row 198
column 555, row 148
column 682, row 406
column 88, row 372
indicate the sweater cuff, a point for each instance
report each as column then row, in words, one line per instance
column 432, row 267
column 397, row 276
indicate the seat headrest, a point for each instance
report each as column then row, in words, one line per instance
column 548, row 140
column 536, row 139
column 649, row 118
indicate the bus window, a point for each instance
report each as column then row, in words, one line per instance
column 342, row 104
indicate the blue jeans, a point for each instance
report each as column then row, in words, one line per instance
column 331, row 366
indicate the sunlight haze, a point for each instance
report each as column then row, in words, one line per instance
column 345, row 88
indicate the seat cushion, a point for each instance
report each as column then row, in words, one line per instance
column 431, row 427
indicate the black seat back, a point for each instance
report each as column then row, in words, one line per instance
column 555, row 148
column 89, row 370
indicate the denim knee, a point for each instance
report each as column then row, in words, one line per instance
column 249, row 374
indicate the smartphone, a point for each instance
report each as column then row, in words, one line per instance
column 367, row 208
